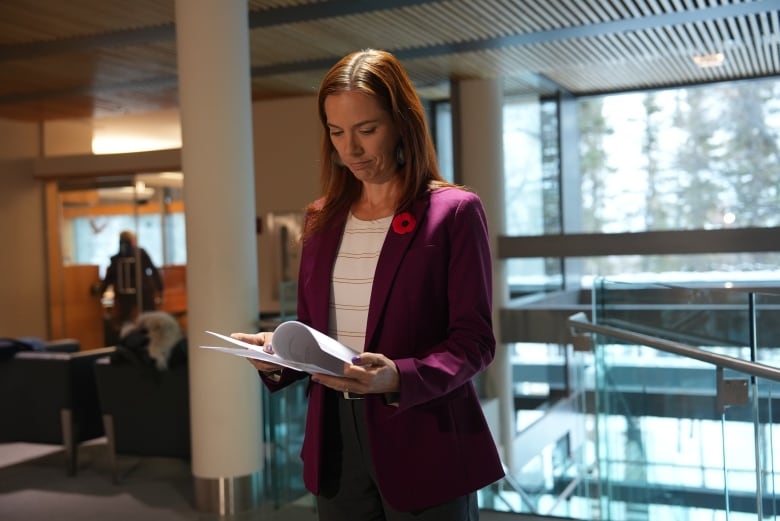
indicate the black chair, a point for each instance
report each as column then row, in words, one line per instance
column 146, row 412
column 50, row 397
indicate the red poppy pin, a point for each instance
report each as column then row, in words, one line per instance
column 403, row 223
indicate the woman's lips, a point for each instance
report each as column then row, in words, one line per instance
column 360, row 165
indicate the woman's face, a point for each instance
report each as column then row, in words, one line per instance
column 363, row 135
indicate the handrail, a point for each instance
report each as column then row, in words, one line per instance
column 580, row 321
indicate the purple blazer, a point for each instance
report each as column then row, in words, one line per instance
column 430, row 312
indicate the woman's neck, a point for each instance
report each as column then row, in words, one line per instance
column 376, row 201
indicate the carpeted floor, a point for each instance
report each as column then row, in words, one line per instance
column 34, row 486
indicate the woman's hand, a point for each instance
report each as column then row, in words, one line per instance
column 368, row 373
column 259, row 339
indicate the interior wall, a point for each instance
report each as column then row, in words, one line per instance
column 19, row 140
column 287, row 143
column 67, row 137
column 23, row 306
column 286, row 134
column 137, row 132
column 23, row 269
column 286, row 137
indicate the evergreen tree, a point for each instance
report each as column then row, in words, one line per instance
column 697, row 161
column 655, row 214
column 594, row 168
column 751, row 153
column 657, row 207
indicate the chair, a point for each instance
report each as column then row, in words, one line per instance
column 146, row 412
column 50, row 397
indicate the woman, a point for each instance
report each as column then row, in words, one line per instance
column 395, row 264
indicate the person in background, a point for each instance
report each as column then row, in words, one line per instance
column 128, row 266
column 395, row 264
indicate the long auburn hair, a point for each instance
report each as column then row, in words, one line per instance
column 378, row 74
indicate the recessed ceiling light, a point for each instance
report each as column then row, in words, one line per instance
column 705, row 61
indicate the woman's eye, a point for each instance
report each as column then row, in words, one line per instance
column 367, row 130
column 335, row 133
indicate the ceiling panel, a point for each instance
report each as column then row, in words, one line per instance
column 89, row 58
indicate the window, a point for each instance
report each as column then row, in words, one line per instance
column 698, row 158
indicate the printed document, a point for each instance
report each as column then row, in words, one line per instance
column 295, row 346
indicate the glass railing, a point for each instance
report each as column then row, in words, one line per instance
column 551, row 446
column 663, row 406
column 553, row 454
column 737, row 321
column 284, row 416
column 685, row 402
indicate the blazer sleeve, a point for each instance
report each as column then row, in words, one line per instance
column 467, row 344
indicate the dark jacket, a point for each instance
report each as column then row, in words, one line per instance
column 123, row 273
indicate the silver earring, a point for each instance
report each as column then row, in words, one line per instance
column 399, row 156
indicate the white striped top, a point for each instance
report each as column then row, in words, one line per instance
column 353, row 277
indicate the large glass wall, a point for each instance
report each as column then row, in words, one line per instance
column 689, row 159
column 532, row 187
column 685, row 160
column 697, row 158
column 701, row 157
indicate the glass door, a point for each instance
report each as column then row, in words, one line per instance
column 120, row 250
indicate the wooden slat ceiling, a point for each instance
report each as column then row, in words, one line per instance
column 92, row 58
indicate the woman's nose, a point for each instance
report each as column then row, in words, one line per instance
column 353, row 146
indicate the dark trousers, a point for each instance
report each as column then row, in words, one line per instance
column 348, row 490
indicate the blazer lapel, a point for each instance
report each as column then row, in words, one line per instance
column 393, row 251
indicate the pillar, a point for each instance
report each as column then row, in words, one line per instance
column 212, row 40
column 479, row 164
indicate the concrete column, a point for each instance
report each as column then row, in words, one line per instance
column 212, row 41
column 479, row 163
